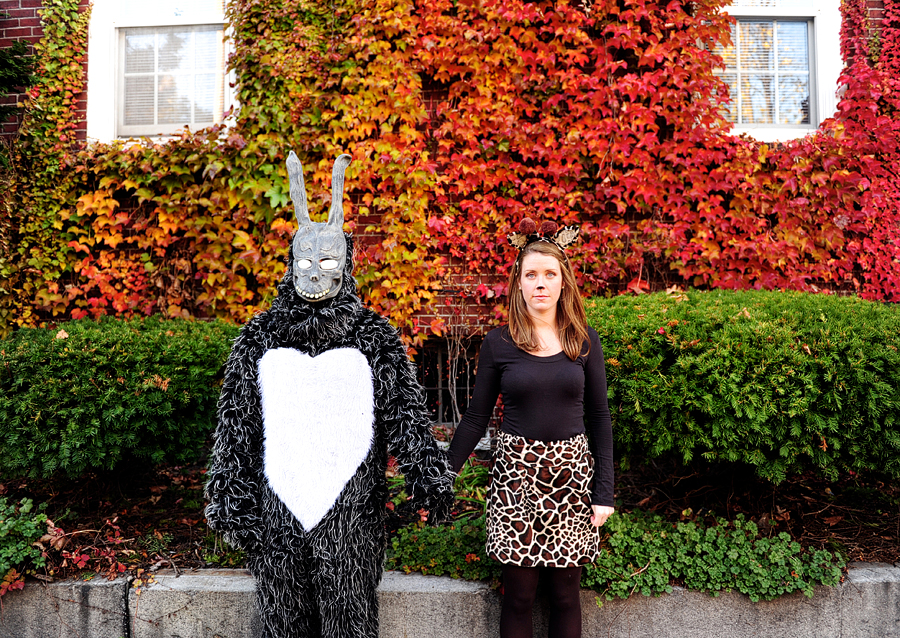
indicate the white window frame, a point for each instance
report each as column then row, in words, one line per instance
column 825, row 63
column 107, row 19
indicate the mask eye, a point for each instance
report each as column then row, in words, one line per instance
column 328, row 264
column 303, row 263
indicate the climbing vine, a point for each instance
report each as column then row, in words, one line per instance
column 34, row 255
column 462, row 117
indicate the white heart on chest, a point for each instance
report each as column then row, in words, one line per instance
column 318, row 416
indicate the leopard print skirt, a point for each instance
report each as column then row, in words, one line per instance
column 539, row 503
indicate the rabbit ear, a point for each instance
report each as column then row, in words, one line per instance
column 298, row 190
column 336, row 214
column 518, row 240
column 566, row 236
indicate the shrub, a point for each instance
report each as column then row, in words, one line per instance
column 782, row 381
column 455, row 550
column 641, row 553
column 20, row 529
column 645, row 553
column 90, row 395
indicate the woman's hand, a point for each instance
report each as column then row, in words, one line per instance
column 601, row 513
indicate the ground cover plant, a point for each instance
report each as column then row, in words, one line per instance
column 145, row 518
column 645, row 552
column 20, row 530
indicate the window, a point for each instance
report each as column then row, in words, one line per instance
column 155, row 68
column 170, row 76
column 782, row 66
column 767, row 72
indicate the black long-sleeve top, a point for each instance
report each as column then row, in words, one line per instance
column 544, row 399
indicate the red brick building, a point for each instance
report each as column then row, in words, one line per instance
column 113, row 105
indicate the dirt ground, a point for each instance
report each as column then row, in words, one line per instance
column 146, row 518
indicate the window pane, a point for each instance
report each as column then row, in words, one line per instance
column 728, row 52
column 757, row 99
column 731, row 107
column 757, row 52
column 793, row 99
column 139, row 101
column 793, row 50
column 204, row 97
column 175, row 51
column 432, row 405
column 446, row 408
column 140, row 53
column 175, row 99
column 208, row 46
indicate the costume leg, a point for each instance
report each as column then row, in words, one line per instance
column 349, row 556
column 564, row 585
column 519, row 590
column 284, row 595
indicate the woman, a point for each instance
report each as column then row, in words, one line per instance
column 543, row 509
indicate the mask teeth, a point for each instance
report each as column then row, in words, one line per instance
column 317, row 295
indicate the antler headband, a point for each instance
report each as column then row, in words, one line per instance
column 550, row 232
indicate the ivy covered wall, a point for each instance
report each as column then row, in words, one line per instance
column 462, row 117
column 20, row 21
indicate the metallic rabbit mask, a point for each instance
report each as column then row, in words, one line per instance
column 320, row 250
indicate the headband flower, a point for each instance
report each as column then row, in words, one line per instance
column 550, row 232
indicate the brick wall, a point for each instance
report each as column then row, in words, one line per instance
column 455, row 300
column 876, row 12
column 23, row 23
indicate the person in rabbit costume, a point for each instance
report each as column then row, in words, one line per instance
column 318, row 390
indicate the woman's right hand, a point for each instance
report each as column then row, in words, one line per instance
column 600, row 514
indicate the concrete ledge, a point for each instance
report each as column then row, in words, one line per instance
column 215, row 602
column 220, row 604
column 67, row 609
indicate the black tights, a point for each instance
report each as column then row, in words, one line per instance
column 519, row 590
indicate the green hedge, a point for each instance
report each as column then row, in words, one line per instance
column 89, row 395
column 782, row 381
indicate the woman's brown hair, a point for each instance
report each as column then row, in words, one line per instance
column 571, row 320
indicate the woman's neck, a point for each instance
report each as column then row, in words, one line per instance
column 546, row 333
column 543, row 320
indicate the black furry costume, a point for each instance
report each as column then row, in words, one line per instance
column 319, row 581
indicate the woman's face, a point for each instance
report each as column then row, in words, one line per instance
column 541, row 282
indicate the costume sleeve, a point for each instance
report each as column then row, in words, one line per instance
column 409, row 436
column 232, row 487
column 474, row 423
column 598, row 423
